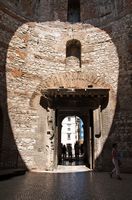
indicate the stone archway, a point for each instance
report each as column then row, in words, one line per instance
column 107, row 26
column 81, row 102
column 78, row 87
column 76, row 80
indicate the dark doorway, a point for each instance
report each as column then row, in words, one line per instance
column 73, row 14
column 82, row 103
column 73, row 49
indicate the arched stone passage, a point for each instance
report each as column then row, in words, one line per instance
column 68, row 89
column 111, row 22
column 88, row 103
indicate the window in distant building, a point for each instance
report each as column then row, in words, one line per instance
column 68, row 136
column 69, row 119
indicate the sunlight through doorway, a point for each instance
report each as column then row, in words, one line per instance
column 72, row 141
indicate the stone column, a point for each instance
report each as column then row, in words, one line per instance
column 50, row 147
column 97, row 119
column 56, row 147
column 97, row 122
column 87, row 141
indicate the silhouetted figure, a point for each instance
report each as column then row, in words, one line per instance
column 60, row 154
column 115, row 161
column 82, row 148
column 69, row 149
column 76, row 147
column 120, row 156
column 64, row 152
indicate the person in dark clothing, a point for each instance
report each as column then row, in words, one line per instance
column 116, row 169
column 64, row 152
column 76, row 147
column 69, row 149
column 82, row 149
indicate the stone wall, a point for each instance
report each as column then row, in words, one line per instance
column 33, row 57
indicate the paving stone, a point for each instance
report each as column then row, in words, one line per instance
column 66, row 186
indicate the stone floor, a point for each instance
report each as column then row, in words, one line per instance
column 73, row 168
column 70, row 185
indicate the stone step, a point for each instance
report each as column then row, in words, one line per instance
column 65, row 169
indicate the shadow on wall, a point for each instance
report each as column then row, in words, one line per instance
column 29, row 13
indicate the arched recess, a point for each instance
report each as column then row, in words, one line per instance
column 73, row 52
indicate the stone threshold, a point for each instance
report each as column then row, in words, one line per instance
column 66, row 169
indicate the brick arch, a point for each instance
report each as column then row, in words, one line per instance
column 78, row 80
column 74, row 80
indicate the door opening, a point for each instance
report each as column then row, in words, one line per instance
column 84, row 106
column 76, row 140
column 72, row 141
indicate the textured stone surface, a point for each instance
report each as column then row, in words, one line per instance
column 33, row 58
column 62, row 186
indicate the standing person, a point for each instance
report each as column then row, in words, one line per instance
column 120, row 156
column 69, row 149
column 76, row 147
column 60, row 154
column 64, row 152
column 116, row 169
column 82, row 148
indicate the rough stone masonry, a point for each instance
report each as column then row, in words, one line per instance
column 33, row 43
